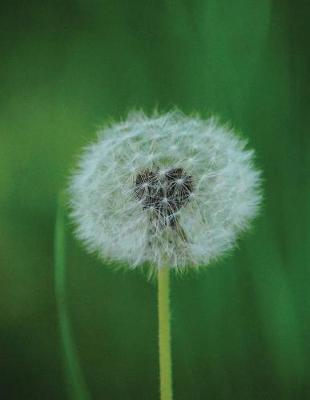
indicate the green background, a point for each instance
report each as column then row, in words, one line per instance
column 241, row 328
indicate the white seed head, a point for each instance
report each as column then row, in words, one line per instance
column 164, row 190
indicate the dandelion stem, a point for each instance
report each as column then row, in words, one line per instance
column 164, row 334
column 74, row 375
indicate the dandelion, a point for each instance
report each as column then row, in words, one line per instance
column 167, row 191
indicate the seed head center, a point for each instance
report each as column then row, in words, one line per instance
column 164, row 191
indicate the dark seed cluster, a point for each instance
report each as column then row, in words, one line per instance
column 164, row 192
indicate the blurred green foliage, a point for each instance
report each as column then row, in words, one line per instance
column 240, row 329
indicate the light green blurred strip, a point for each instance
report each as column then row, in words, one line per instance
column 74, row 376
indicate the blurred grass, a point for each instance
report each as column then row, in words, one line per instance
column 77, row 387
column 241, row 328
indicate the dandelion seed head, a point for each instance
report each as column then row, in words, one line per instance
column 165, row 189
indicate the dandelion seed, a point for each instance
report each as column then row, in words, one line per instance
column 165, row 189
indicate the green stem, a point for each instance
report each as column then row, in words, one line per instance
column 164, row 334
column 74, row 375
